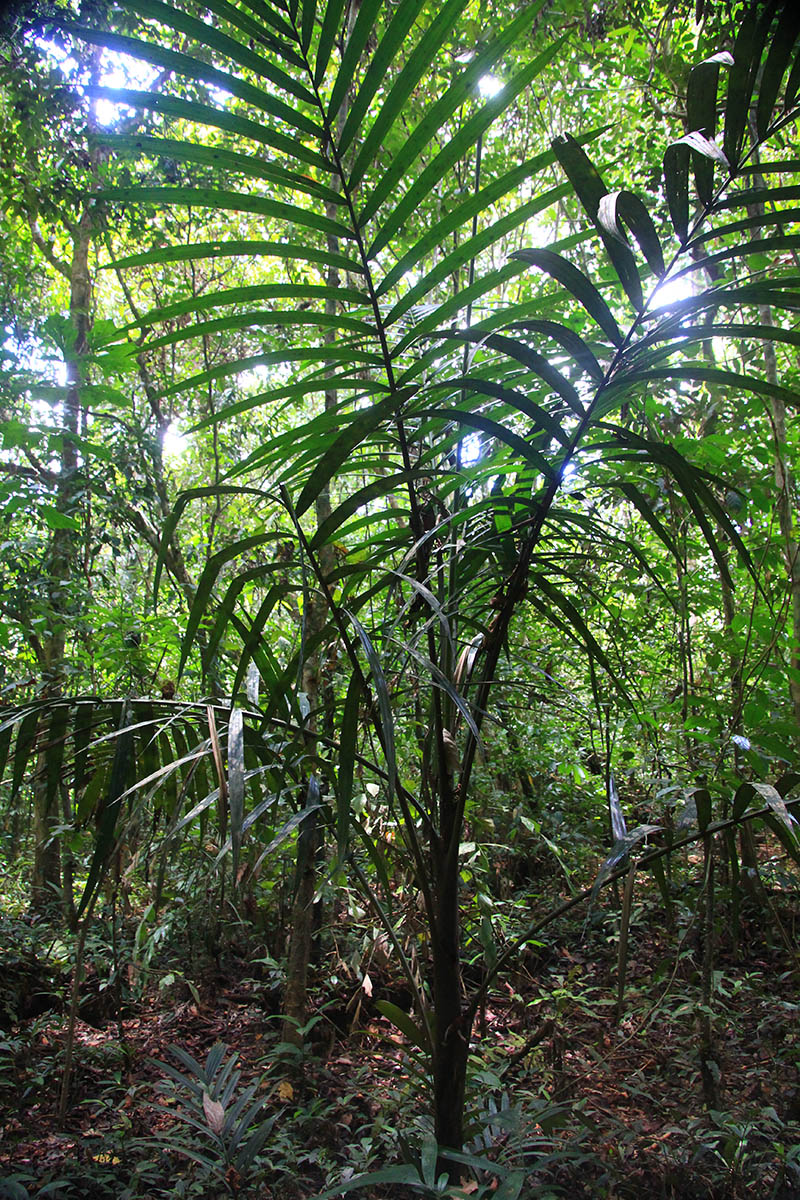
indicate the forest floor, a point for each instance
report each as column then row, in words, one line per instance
column 584, row 1105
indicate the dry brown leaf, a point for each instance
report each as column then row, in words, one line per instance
column 451, row 754
column 215, row 1113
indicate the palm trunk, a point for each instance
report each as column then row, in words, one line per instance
column 453, row 1028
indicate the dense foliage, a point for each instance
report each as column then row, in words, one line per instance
column 399, row 518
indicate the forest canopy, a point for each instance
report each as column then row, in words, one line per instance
column 399, row 524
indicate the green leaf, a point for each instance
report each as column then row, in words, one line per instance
column 208, row 34
column 358, row 426
column 776, row 245
column 501, row 432
column 716, row 375
column 581, row 631
column 419, row 62
column 185, row 498
column 243, row 295
column 307, row 386
column 626, row 206
column 782, row 46
column 518, row 350
column 574, row 345
column 441, row 680
column 57, row 519
column 307, row 28
column 289, row 826
column 54, row 754
column 449, row 264
column 695, row 486
column 685, row 335
column 437, row 113
column 214, row 118
column 756, row 196
column 436, row 317
column 205, row 586
column 357, row 38
column 644, row 508
column 515, row 399
column 24, row 750
column 511, row 1187
column 443, row 162
column 591, row 190
column 255, row 634
column 361, row 498
column 220, row 159
column 787, row 837
column 407, row 1174
column 702, row 800
column 415, row 1033
column 792, row 85
column 577, row 285
column 200, row 251
column 657, row 867
column 771, row 796
column 281, row 318
column 426, row 595
column 6, row 732
column 226, row 201
column 331, row 25
column 701, row 116
column 272, row 452
column 377, row 858
column 676, row 185
column 435, row 235
column 194, row 68
column 380, row 61
column 754, row 26
column 256, row 29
